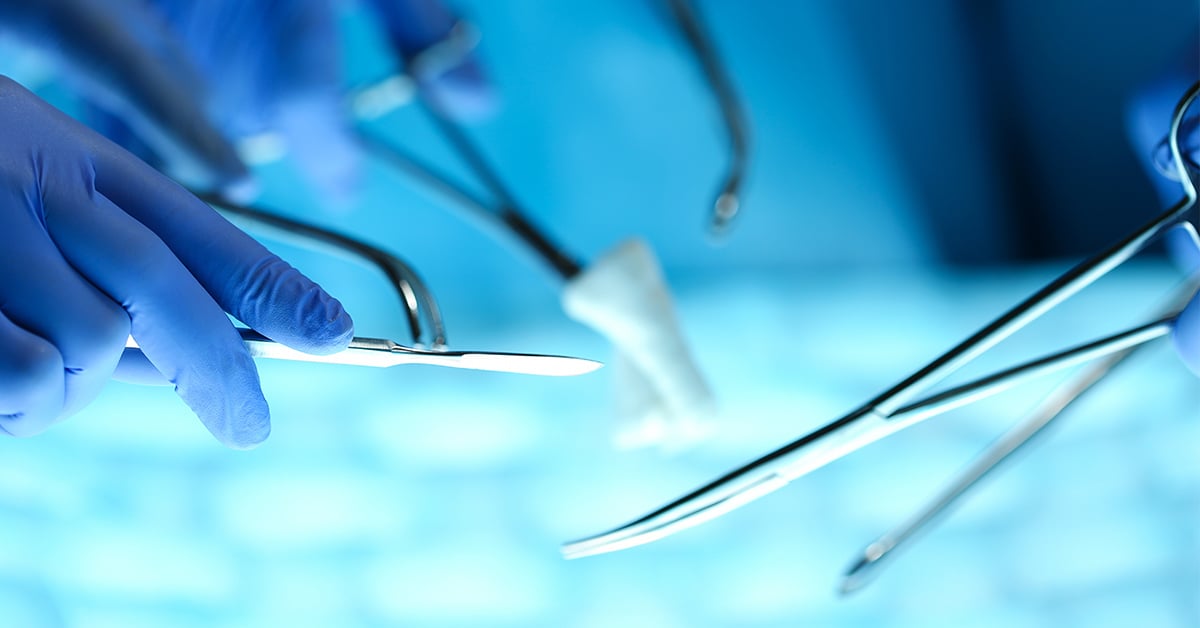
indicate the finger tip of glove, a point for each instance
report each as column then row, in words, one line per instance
column 242, row 431
column 291, row 309
column 226, row 396
column 327, row 327
column 332, row 342
column 248, row 427
column 246, row 440
column 20, row 426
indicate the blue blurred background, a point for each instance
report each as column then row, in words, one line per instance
column 917, row 166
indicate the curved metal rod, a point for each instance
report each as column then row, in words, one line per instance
column 414, row 296
column 728, row 201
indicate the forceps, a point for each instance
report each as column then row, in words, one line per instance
column 899, row 407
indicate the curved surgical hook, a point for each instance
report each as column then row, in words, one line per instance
column 728, row 201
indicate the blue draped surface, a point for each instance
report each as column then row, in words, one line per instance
column 428, row 497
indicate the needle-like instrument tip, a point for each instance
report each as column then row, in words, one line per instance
column 724, row 210
column 855, row 578
column 571, row 551
column 621, row 538
column 864, row 569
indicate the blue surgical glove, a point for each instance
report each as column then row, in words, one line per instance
column 267, row 70
column 167, row 73
column 94, row 246
column 440, row 55
column 120, row 56
column 274, row 69
column 1149, row 121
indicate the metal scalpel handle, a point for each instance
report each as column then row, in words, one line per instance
column 382, row 353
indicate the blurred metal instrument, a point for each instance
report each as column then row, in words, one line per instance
column 900, row 406
column 728, row 200
column 381, row 97
column 502, row 211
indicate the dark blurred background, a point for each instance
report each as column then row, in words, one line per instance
column 1010, row 115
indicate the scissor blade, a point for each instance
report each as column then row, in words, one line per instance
column 745, row 484
column 652, row 528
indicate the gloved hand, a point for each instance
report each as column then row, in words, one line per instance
column 119, row 56
column 1149, row 121
column 272, row 70
column 181, row 81
column 439, row 52
column 96, row 245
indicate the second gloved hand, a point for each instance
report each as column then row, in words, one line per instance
column 438, row 51
column 1149, row 121
column 96, row 245
column 120, row 57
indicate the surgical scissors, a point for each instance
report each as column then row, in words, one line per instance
column 875, row 555
column 899, row 407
